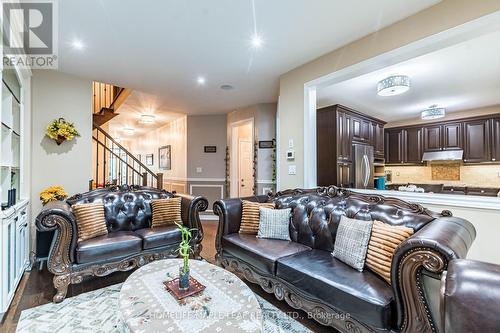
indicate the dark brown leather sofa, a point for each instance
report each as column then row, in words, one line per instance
column 471, row 297
column 130, row 241
column 305, row 274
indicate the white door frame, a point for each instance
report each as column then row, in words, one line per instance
column 458, row 34
column 233, row 149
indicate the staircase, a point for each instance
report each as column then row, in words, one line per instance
column 112, row 163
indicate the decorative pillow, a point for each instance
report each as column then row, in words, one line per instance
column 90, row 220
column 274, row 223
column 383, row 243
column 351, row 242
column 250, row 216
column 166, row 212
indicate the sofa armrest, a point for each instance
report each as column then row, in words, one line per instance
column 190, row 212
column 57, row 215
column 427, row 252
column 229, row 212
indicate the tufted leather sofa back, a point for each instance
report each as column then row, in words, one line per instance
column 126, row 208
column 316, row 216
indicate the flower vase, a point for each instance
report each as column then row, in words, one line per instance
column 183, row 279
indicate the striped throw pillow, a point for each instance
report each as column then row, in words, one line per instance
column 250, row 216
column 90, row 220
column 166, row 212
column 384, row 240
column 274, row 223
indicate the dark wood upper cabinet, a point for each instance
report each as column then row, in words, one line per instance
column 452, row 136
column 412, row 145
column 394, row 146
column 477, row 141
column 361, row 130
column 432, row 138
column 377, row 139
column 495, row 152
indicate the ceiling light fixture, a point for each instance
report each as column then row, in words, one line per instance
column 227, row 87
column 77, row 44
column 200, row 80
column 256, row 41
column 147, row 119
column 393, row 85
column 129, row 131
column 433, row 112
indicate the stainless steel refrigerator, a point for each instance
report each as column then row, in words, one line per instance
column 363, row 166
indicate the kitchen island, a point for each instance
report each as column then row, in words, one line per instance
column 483, row 212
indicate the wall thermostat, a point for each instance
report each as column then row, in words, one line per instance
column 290, row 154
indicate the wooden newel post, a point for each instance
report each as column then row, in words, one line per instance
column 91, row 182
column 159, row 181
column 144, row 179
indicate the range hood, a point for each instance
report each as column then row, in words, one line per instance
column 443, row 155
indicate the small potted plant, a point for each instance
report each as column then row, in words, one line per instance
column 60, row 130
column 184, row 251
column 53, row 193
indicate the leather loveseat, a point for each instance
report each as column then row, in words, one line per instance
column 304, row 273
column 130, row 241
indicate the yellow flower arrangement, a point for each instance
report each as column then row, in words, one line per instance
column 53, row 193
column 60, row 130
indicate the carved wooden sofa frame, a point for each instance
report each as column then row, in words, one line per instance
column 423, row 256
column 57, row 216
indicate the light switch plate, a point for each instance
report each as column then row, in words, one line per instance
column 290, row 143
column 199, row 170
column 292, row 169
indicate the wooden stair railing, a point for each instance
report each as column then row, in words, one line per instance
column 115, row 165
column 106, row 100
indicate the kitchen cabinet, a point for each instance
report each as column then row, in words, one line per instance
column 337, row 127
column 394, row 146
column 477, row 141
column 412, row 145
column 361, row 130
column 344, row 174
column 377, row 139
column 495, row 152
column 452, row 136
column 432, row 138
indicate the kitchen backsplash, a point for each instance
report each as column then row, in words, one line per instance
column 469, row 175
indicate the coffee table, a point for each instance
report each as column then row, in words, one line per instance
column 226, row 305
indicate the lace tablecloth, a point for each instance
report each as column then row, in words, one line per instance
column 226, row 305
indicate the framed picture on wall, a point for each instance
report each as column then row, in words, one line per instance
column 149, row 159
column 165, row 157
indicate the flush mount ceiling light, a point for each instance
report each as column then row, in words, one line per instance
column 393, row 85
column 147, row 119
column 433, row 112
column 129, row 131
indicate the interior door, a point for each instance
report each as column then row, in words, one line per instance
column 245, row 169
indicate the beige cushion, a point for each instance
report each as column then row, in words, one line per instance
column 166, row 212
column 250, row 216
column 384, row 240
column 90, row 220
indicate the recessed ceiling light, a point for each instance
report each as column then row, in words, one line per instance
column 129, row 131
column 147, row 119
column 200, row 80
column 77, row 44
column 256, row 41
column 227, row 87
column 393, row 85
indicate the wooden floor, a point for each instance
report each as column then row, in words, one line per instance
column 36, row 289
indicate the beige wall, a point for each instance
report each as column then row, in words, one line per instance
column 445, row 15
column 56, row 95
column 470, row 175
column 495, row 109
column 175, row 134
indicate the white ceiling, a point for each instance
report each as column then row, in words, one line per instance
column 160, row 47
column 460, row 77
column 137, row 104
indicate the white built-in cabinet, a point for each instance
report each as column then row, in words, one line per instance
column 14, row 221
